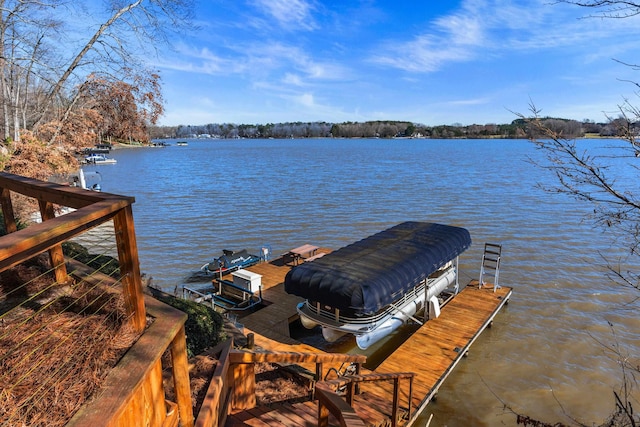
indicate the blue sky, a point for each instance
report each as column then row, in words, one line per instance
column 428, row 61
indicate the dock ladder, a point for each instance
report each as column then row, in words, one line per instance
column 490, row 264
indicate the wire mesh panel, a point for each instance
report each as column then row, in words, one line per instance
column 71, row 306
column 58, row 340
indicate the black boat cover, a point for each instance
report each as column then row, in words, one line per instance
column 368, row 275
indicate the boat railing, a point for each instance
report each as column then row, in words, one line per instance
column 194, row 295
column 334, row 317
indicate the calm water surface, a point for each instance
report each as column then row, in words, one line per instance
column 543, row 350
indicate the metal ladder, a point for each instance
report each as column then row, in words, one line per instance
column 490, row 265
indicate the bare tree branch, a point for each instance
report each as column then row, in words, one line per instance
column 55, row 90
column 615, row 9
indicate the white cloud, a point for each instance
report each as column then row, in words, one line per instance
column 290, row 14
column 279, row 64
column 450, row 38
column 306, row 100
column 292, row 79
column 473, row 101
column 492, row 28
column 203, row 61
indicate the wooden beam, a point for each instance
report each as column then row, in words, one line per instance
column 180, row 367
column 55, row 253
column 213, row 410
column 63, row 195
column 130, row 267
column 37, row 238
column 239, row 356
column 7, row 211
column 243, row 378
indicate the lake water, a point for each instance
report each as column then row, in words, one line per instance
column 544, row 354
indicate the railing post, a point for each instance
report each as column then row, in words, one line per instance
column 130, row 267
column 243, row 378
column 396, row 398
column 7, row 211
column 350, row 391
column 410, row 396
column 323, row 414
column 180, row 368
column 55, row 253
column 319, row 371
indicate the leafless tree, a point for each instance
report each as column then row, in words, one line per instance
column 607, row 181
column 38, row 68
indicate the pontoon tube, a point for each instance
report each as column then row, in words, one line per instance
column 365, row 341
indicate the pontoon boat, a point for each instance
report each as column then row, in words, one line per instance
column 373, row 286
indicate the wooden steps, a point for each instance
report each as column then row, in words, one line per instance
column 300, row 414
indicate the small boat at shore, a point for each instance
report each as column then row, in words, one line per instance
column 99, row 159
column 243, row 293
column 372, row 287
column 84, row 180
column 230, row 261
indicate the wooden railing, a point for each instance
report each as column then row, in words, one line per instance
column 330, row 402
column 215, row 406
column 132, row 393
column 232, row 387
column 352, row 381
column 243, row 373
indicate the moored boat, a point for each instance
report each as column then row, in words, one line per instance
column 230, row 261
column 83, row 179
column 373, row 286
column 99, row 159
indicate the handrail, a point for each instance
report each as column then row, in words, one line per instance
column 319, row 359
column 351, row 380
column 373, row 377
column 215, row 405
column 72, row 197
column 243, row 370
column 93, row 210
column 242, row 356
column 23, row 244
column 331, row 402
column 135, row 379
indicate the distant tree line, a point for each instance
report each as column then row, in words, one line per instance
column 518, row 128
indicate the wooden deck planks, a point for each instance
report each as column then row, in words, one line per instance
column 432, row 351
column 435, row 349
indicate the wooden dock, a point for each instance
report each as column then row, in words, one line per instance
column 440, row 344
column 432, row 352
